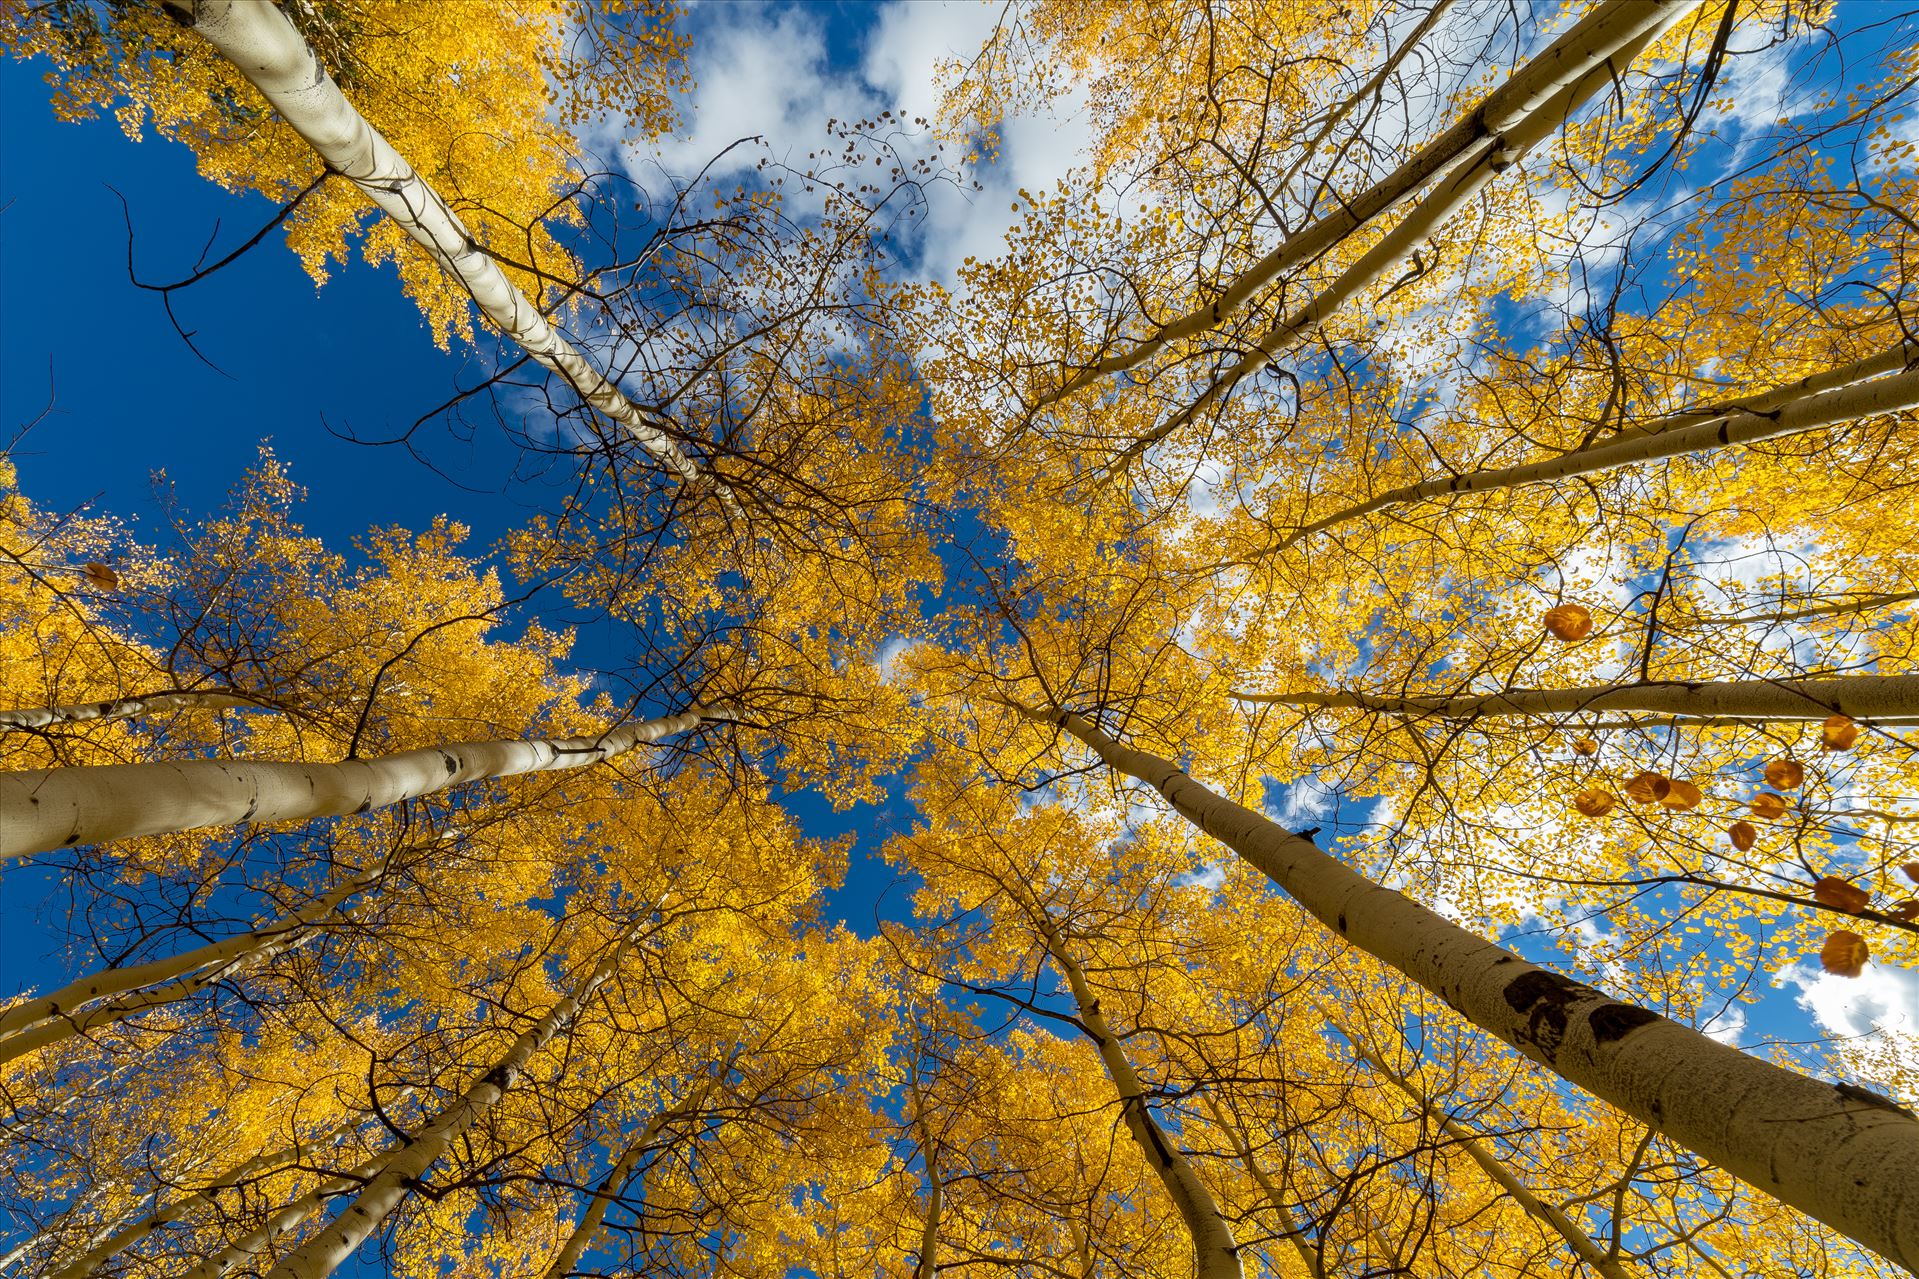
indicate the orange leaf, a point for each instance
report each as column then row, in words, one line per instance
column 1569, row 622
column 1585, row 746
column 1840, row 895
column 1593, row 802
column 1767, row 805
column 1680, row 796
column 1648, row 788
column 1844, row 954
column 1744, row 835
column 1785, row 774
column 100, row 577
column 1838, row 733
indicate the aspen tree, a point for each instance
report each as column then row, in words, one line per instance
column 264, row 46
column 58, row 808
column 1844, row 1161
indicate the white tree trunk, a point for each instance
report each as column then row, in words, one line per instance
column 48, row 808
column 124, row 708
column 322, row 1254
column 1871, row 698
column 1215, row 1252
column 283, row 1221
column 1838, row 1153
column 174, row 1209
column 1630, row 24
column 1596, row 38
column 49, row 1018
column 927, row 1265
column 1825, row 399
column 1288, row 1225
column 588, row 1226
column 265, row 48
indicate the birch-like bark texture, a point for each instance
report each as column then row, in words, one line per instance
column 48, row 1019
column 322, row 1254
column 1495, row 1168
column 1288, row 1225
column 47, row 808
column 1824, row 399
column 1841, row 1156
column 1216, row 1254
column 284, row 1221
column 1597, row 37
column 927, row 1265
column 1870, row 698
column 266, row 48
column 588, row 1226
column 174, row 1209
column 1631, row 25
column 125, row 708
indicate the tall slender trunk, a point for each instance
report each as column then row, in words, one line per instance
column 132, row 1232
column 1883, row 698
column 1215, row 1252
column 126, row 708
column 283, row 1221
column 928, row 1262
column 609, row 1188
column 1839, row 1154
column 47, row 808
column 1587, row 46
column 1288, row 1225
column 50, row 1018
column 1495, row 1168
column 265, row 48
column 398, row 1174
column 1630, row 26
column 1825, row 399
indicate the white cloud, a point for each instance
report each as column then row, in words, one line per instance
column 1879, row 1000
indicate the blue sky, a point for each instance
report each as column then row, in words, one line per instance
column 297, row 364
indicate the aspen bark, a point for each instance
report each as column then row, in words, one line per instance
column 1840, row 395
column 1288, row 1226
column 1215, row 1251
column 399, row 1173
column 52, row 1017
column 1495, row 1168
column 266, row 48
column 284, row 1221
column 48, row 808
column 173, row 1210
column 603, row 1195
column 928, row 1262
column 1837, row 1153
column 125, row 708
column 1871, row 698
column 1596, row 38
column 1631, row 26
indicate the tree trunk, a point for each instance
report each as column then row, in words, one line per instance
column 265, row 48
column 1841, row 395
column 1588, row 45
column 50, row 1018
column 928, row 1262
column 1629, row 28
column 399, row 1173
column 1288, row 1226
column 1873, row 698
column 609, row 1188
column 283, row 1221
column 1216, row 1254
column 126, row 708
column 165, row 1214
column 1840, row 1154
column 49, row 808
column 1557, row 1220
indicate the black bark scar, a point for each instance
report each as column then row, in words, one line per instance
column 1546, row 999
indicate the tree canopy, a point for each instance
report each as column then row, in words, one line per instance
column 1351, row 656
